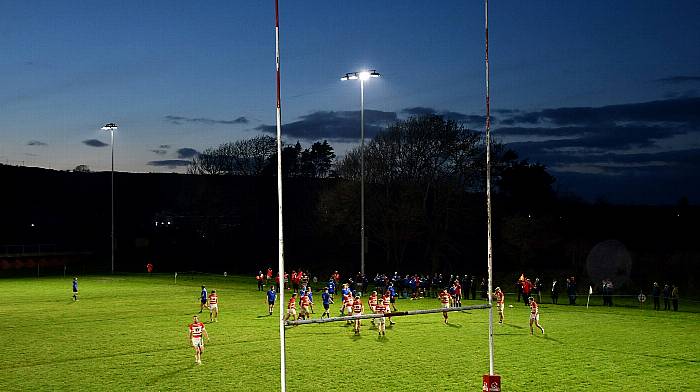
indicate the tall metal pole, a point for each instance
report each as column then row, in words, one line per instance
column 362, row 176
column 280, row 253
column 111, row 132
column 488, row 191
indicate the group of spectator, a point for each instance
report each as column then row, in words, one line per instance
column 607, row 289
column 415, row 286
column 670, row 294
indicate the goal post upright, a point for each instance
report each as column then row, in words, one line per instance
column 280, row 253
column 488, row 187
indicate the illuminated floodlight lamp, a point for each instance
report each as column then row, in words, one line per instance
column 110, row 127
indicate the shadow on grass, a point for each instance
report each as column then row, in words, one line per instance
column 607, row 350
column 454, row 325
column 548, row 337
column 355, row 338
column 172, row 373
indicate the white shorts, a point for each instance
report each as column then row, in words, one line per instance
column 381, row 320
column 348, row 310
column 197, row 342
column 305, row 309
column 292, row 312
column 535, row 317
column 445, row 306
column 214, row 307
column 500, row 308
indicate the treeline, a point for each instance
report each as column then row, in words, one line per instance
column 424, row 206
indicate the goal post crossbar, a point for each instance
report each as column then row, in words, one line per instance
column 377, row 315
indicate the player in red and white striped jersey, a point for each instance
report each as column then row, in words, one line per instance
column 357, row 309
column 535, row 315
column 347, row 306
column 381, row 309
column 445, row 299
column 196, row 330
column 387, row 302
column 291, row 307
column 372, row 302
column 304, row 304
column 213, row 306
column 500, row 303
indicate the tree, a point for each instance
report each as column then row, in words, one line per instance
column 418, row 173
column 82, row 169
column 318, row 160
column 247, row 157
column 528, row 185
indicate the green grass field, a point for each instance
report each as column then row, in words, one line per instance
column 129, row 333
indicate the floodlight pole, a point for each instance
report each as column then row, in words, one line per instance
column 488, row 190
column 362, row 76
column 111, row 127
column 280, row 251
column 362, row 176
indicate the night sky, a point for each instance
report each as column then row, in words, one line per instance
column 606, row 94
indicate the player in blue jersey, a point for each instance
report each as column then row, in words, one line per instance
column 310, row 293
column 331, row 287
column 203, row 299
column 327, row 301
column 75, row 289
column 271, row 297
column 392, row 292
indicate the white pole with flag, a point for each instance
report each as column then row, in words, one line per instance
column 590, row 291
column 280, row 253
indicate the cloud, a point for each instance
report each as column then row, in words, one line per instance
column 594, row 138
column 184, row 153
column 36, row 143
column 614, row 149
column 678, row 110
column 649, row 178
column 469, row 119
column 159, row 152
column 171, row 163
column 338, row 126
column 678, row 79
column 94, row 143
column 201, row 120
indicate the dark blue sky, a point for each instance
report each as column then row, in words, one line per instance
column 605, row 93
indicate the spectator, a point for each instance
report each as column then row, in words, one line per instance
column 667, row 296
column 527, row 289
column 571, row 290
column 674, row 297
column 656, row 293
column 484, row 289
column 555, row 292
column 473, row 286
column 604, row 289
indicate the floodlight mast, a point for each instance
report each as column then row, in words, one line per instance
column 362, row 76
column 111, row 127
